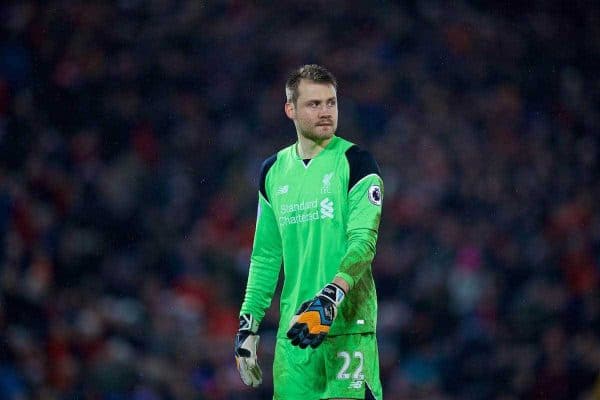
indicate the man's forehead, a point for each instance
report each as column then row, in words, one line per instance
column 308, row 88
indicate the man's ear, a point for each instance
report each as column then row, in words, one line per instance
column 290, row 111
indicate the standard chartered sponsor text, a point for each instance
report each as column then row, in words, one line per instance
column 311, row 214
column 305, row 205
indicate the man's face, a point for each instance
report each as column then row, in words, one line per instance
column 315, row 113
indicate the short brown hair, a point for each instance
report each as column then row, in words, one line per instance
column 312, row 72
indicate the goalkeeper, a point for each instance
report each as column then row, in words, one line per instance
column 319, row 206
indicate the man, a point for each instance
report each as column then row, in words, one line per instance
column 319, row 206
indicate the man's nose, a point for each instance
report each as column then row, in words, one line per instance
column 324, row 111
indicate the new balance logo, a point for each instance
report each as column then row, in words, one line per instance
column 355, row 385
column 283, row 189
column 326, row 208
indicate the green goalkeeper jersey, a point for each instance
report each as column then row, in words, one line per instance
column 319, row 218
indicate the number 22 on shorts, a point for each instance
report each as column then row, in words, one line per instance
column 344, row 373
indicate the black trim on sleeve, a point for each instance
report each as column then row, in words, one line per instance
column 361, row 164
column 264, row 169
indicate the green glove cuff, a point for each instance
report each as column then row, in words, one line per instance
column 347, row 278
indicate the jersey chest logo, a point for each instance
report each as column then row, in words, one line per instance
column 326, row 208
column 326, row 188
column 283, row 189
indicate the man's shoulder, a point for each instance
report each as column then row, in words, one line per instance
column 342, row 145
column 268, row 164
column 275, row 157
column 360, row 163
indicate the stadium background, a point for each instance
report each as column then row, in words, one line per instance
column 131, row 135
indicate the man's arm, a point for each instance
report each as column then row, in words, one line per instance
column 265, row 261
column 365, row 195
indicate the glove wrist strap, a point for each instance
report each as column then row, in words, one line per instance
column 333, row 293
column 248, row 324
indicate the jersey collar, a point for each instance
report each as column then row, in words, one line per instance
column 329, row 147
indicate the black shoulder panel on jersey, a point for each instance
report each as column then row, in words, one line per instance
column 361, row 164
column 264, row 169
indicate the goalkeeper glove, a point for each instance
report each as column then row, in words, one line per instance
column 246, row 342
column 313, row 319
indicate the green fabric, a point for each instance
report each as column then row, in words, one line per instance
column 265, row 263
column 319, row 229
column 341, row 367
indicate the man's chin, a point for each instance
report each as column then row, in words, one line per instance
column 319, row 135
column 325, row 131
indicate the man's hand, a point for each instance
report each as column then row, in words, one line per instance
column 246, row 342
column 313, row 319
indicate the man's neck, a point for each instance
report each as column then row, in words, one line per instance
column 309, row 148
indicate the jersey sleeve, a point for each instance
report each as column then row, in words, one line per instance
column 265, row 261
column 365, row 198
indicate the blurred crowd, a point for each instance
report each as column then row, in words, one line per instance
column 131, row 137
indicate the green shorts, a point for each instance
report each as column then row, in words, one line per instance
column 345, row 366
